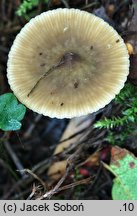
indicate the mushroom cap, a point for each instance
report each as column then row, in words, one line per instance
column 67, row 63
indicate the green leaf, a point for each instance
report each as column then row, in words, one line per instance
column 11, row 113
column 124, row 167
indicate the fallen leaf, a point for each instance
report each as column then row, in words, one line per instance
column 124, row 166
column 75, row 125
column 57, row 170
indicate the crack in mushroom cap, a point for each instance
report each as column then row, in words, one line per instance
column 67, row 63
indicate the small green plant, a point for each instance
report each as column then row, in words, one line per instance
column 127, row 119
column 11, row 113
column 25, row 9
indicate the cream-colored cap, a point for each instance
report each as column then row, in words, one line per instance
column 67, row 63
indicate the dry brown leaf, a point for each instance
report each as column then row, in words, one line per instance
column 75, row 125
column 57, row 170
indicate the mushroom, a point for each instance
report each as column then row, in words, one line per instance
column 67, row 63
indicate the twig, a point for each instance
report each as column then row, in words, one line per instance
column 45, row 186
column 69, row 167
column 86, row 2
column 65, row 3
column 39, row 7
column 41, row 78
column 49, row 3
column 33, row 192
column 51, row 192
column 35, row 189
column 83, row 181
column 61, row 62
column 14, row 157
column 3, row 10
column 89, row 5
column 55, row 189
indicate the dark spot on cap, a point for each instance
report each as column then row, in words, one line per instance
column 69, row 58
column 117, row 40
column 61, row 104
column 131, row 164
column 40, row 53
column 42, row 65
column 76, row 84
column 53, row 92
column 91, row 47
